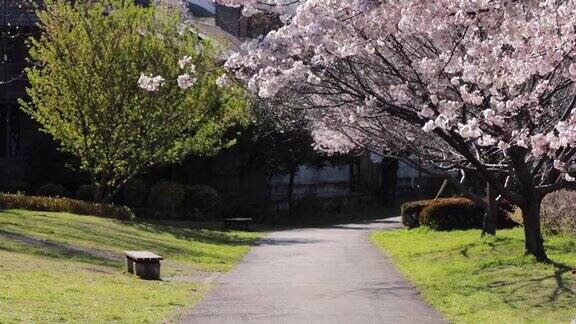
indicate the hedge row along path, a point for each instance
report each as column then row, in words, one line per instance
column 316, row 275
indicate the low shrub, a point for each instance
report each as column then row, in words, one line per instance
column 558, row 212
column 51, row 190
column 86, row 192
column 20, row 188
column 166, row 199
column 202, row 199
column 410, row 212
column 64, row 205
column 135, row 193
column 451, row 214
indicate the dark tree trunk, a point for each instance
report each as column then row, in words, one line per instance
column 530, row 206
column 102, row 189
column 111, row 193
column 534, row 243
column 491, row 213
column 291, row 191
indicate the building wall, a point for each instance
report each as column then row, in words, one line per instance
column 17, row 131
column 27, row 156
column 312, row 181
column 17, row 13
column 230, row 19
column 412, row 182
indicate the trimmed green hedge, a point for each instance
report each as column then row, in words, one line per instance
column 166, row 196
column 202, row 200
column 64, row 205
column 135, row 193
column 450, row 214
column 410, row 212
column 171, row 200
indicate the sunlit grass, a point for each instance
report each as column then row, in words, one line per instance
column 489, row 280
column 42, row 282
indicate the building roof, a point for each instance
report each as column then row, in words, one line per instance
column 201, row 8
column 207, row 29
column 14, row 13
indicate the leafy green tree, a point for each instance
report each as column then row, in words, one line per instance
column 126, row 88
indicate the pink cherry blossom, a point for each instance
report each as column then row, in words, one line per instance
column 187, row 63
column 185, row 81
column 482, row 85
column 150, row 83
column 223, row 80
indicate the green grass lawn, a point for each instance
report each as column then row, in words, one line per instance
column 44, row 282
column 472, row 279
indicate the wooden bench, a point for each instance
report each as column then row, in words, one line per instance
column 144, row 264
column 237, row 223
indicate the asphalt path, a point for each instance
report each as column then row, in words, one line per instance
column 315, row 275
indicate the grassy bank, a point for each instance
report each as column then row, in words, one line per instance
column 472, row 279
column 64, row 267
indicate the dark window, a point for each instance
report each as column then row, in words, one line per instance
column 9, row 130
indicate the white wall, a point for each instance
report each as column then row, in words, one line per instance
column 314, row 175
column 328, row 181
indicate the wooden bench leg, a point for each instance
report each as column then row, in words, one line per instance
column 147, row 270
column 130, row 265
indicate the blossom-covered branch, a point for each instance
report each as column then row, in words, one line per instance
column 485, row 85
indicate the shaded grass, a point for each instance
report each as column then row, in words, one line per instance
column 472, row 279
column 77, row 275
column 205, row 249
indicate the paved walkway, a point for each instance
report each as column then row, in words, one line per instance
column 318, row 275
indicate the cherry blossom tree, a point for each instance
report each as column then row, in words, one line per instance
column 484, row 86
